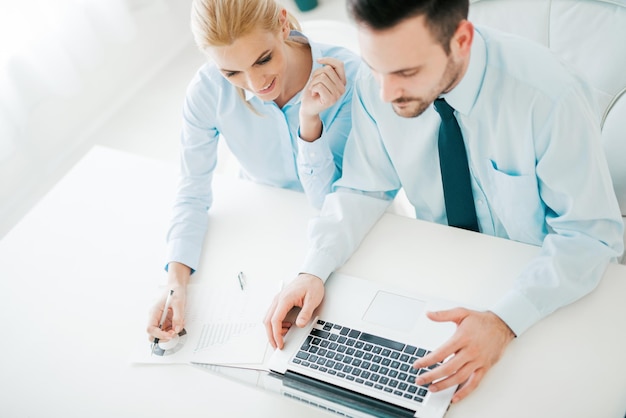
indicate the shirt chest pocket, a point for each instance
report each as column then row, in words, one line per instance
column 517, row 204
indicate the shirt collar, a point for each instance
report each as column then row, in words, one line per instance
column 249, row 95
column 316, row 53
column 464, row 95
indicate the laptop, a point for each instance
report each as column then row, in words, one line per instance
column 303, row 391
column 361, row 345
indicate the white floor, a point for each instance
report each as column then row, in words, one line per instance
column 148, row 123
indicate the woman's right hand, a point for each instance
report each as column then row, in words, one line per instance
column 178, row 278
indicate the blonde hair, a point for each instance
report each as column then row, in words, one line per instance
column 222, row 22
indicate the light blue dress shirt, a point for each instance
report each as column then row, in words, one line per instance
column 539, row 173
column 266, row 144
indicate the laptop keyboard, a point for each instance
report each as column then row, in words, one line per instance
column 365, row 359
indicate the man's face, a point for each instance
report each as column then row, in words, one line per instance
column 411, row 67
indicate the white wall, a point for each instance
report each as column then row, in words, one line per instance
column 59, row 129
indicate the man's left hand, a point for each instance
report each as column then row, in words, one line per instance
column 477, row 344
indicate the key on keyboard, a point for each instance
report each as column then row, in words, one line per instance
column 363, row 358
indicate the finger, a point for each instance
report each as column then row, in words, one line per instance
column 455, row 378
column 329, row 78
column 178, row 316
column 330, row 61
column 336, row 65
column 155, row 314
column 469, row 386
column 282, row 309
column 450, row 347
column 167, row 324
column 306, row 312
column 156, row 332
column 324, row 96
column 448, row 368
column 333, row 76
column 285, row 328
column 455, row 315
column 267, row 321
column 153, row 328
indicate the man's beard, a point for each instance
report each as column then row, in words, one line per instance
column 417, row 105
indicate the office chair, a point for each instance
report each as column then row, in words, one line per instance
column 332, row 32
column 588, row 34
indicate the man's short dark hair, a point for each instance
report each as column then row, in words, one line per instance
column 442, row 16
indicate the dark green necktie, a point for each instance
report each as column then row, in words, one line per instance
column 455, row 175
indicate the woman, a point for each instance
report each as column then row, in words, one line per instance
column 281, row 103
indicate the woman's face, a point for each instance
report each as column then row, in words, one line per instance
column 255, row 62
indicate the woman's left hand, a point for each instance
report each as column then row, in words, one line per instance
column 326, row 85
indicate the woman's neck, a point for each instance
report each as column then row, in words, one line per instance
column 299, row 64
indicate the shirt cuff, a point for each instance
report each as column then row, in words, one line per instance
column 314, row 153
column 516, row 311
column 183, row 252
column 318, row 264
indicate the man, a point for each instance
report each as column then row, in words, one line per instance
column 534, row 171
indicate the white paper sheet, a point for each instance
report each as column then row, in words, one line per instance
column 223, row 325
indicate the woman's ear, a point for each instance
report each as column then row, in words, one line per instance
column 285, row 29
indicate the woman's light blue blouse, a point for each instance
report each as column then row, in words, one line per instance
column 266, row 144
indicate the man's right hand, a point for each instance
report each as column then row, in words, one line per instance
column 306, row 292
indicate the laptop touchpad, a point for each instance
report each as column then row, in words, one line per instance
column 394, row 311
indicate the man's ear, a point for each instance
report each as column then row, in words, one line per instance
column 461, row 42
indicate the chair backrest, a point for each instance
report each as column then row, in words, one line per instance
column 332, row 32
column 591, row 36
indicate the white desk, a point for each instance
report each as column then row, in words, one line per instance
column 78, row 274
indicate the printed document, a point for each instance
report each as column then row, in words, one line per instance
column 223, row 325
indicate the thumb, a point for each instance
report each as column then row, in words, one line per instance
column 178, row 319
column 305, row 313
column 327, row 61
column 450, row 315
